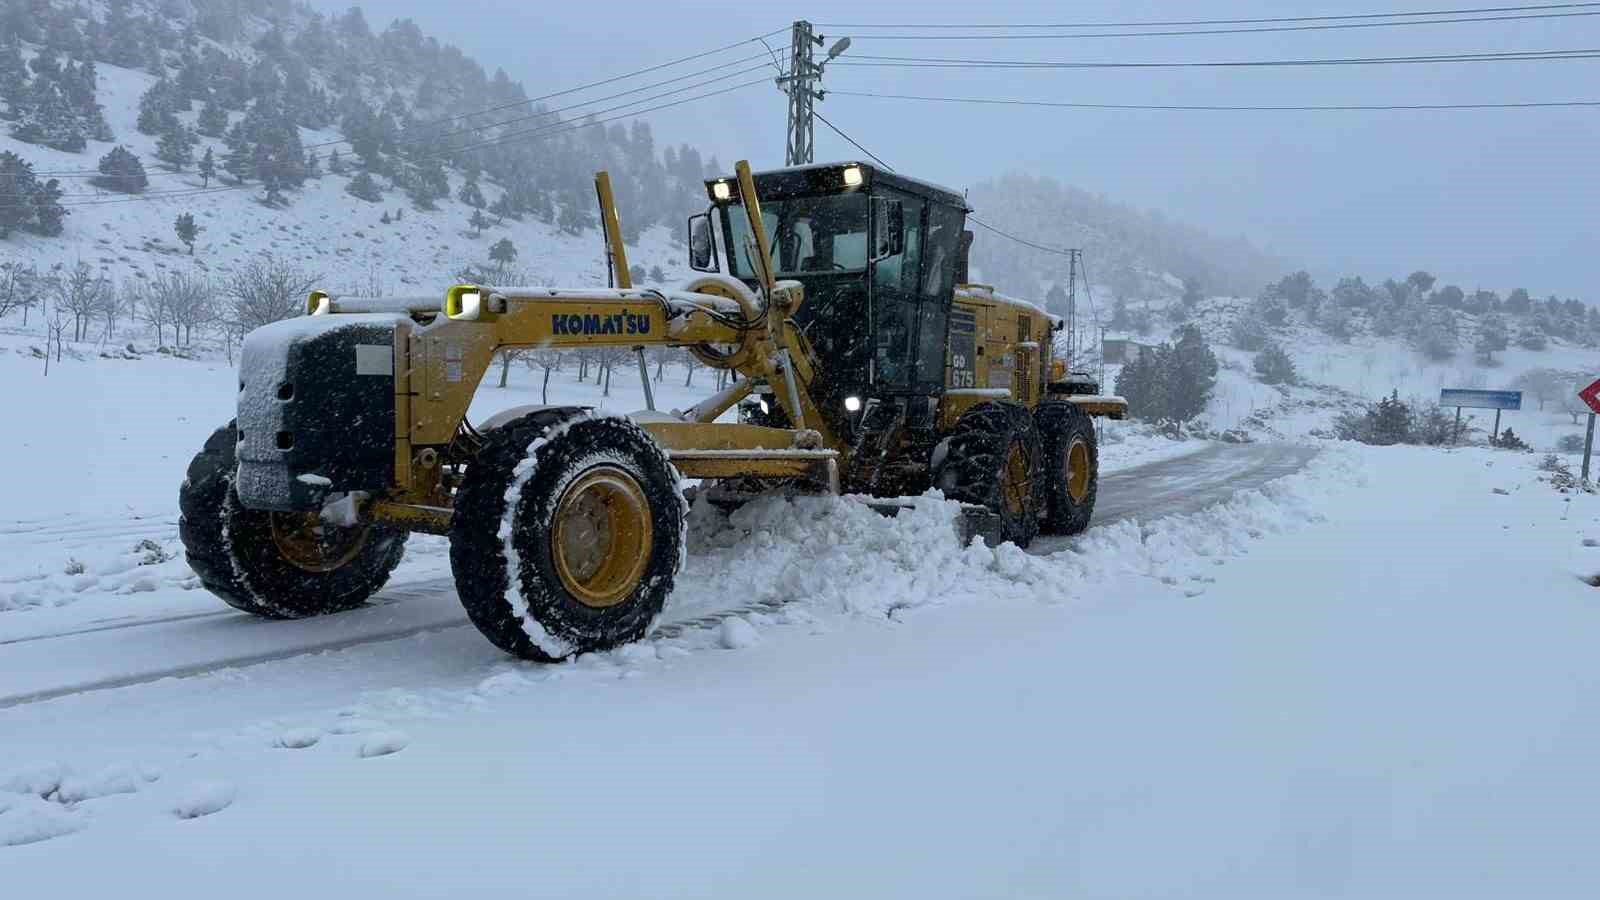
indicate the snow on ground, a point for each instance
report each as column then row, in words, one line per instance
column 1371, row 678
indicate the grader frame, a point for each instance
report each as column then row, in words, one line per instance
column 438, row 366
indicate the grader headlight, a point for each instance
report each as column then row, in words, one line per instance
column 852, row 176
column 722, row 190
column 463, row 303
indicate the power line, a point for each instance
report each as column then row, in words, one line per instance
column 623, row 77
column 1222, row 108
column 1009, row 236
column 1257, row 21
column 956, row 63
column 1215, row 31
column 853, row 141
column 425, row 138
column 970, row 217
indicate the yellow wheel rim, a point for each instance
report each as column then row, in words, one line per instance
column 602, row 536
column 308, row 543
column 1016, row 483
column 1078, row 470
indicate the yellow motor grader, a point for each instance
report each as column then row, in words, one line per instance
column 864, row 363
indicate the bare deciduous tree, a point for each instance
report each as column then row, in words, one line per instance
column 55, row 332
column 265, row 290
column 690, row 364
column 182, row 300
column 17, row 283
column 607, row 359
column 547, row 360
column 154, row 311
column 80, row 293
column 507, row 357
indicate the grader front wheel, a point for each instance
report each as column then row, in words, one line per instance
column 567, row 534
column 275, row 565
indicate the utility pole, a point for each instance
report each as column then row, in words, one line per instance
column 1072, row 307
column 804, row 73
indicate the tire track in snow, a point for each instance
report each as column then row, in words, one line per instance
column 1158, row 489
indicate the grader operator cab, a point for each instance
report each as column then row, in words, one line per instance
column 864, row 364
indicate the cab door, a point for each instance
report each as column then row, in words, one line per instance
column 896, row 281
column 940, row 237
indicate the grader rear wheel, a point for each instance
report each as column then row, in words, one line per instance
column 1071, row 466
column 567, row 534
column 991, row 459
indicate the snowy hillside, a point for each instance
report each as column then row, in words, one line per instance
column 235, row 114
column 325, row 230
column 1342, row 373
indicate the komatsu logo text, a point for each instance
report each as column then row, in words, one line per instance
column 593, row 323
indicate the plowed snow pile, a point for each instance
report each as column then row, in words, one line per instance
column 818, row 555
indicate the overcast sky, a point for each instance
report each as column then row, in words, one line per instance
column 1496, row 198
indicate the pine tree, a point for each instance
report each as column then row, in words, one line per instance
column 176, row 145
column 156, row 106
column 1391, row 421
column 478, row 222
column 48, row 212
column 208, row 168
column 1492, row 339
column 239, row 160
column 1274, row 366
column 80, row 84
column 471, row 194
column 13, row 78
column 122, row 37
column 503, row 253
column 575, row 216
column 364, row 187
column 313, row 164
column 49, row 120
column 1142, row 383
column 1193, row 375
column 428, row 183
column 121, row 171
column 1192, row 295
column 17, row 187
column 213, row 119
column 186, row 230
column 336, row 162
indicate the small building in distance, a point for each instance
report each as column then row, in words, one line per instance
column 1116, row 351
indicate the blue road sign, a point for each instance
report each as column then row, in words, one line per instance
column 1473, row 399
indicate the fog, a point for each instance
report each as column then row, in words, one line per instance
column 1488, row 198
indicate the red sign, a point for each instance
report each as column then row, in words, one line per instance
column 1591, row 396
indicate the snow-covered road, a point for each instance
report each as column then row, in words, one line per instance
column 137, row 650
column 1370, row 677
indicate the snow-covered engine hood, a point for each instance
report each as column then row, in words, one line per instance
column 316, row 410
